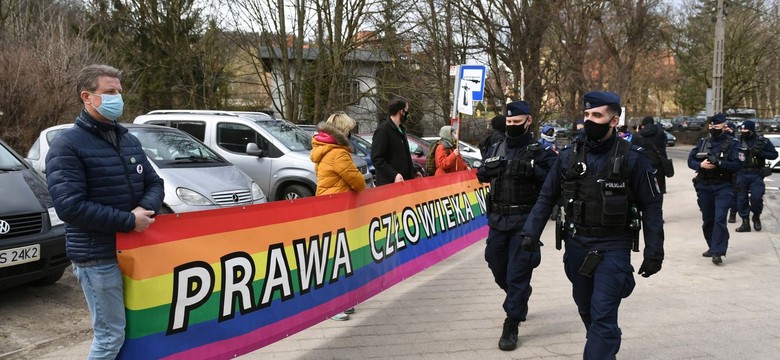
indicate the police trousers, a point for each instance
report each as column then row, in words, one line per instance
column 750, row 197
column 598, row 297
column 512, row 269
column 714, row 201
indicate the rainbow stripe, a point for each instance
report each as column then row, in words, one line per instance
column 375, row 240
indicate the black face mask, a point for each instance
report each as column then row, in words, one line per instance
column 747, row 134
column 595, row 131
column 515, row 130
column 716, row 132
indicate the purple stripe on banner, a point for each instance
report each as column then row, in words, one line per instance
column 264, row 336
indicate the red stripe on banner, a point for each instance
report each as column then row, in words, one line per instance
column 230, row 219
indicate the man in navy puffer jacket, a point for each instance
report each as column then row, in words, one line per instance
column 101, row 183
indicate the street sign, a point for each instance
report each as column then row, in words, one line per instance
column 472, row 79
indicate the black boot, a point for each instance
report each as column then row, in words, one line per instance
column 732, row 217
column 745, row 227
column 756, row 223
column 508, row 339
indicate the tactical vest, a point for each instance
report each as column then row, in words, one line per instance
column 753, row 161
column 516, row 184
column 597, row 204
column 718, row 174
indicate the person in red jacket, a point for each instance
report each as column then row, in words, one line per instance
column 448, row 158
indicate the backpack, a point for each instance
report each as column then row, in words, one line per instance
column 430, row 159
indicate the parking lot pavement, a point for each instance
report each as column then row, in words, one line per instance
column 691, row 309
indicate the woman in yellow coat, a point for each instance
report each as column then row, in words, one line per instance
column 336, row 172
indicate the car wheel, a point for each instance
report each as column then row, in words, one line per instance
column 51, row 278
column 296, row 192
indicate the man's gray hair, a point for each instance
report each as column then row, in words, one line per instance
column 88, row 77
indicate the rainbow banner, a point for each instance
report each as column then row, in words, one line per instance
column 221, row 283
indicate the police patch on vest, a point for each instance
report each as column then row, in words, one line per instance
column 741, row 156
column 615, row 185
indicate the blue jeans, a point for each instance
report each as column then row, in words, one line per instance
column 104, row 292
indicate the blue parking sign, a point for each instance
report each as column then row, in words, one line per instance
column 473, row 76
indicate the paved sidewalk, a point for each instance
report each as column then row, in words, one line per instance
column 692, row 309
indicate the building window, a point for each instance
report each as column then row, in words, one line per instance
column 354, row 91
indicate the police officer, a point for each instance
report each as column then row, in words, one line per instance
column 515, row 167
column 716, row 161
column 755, row 150
column 605, row 183
column 731, row 128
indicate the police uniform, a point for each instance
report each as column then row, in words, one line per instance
column 754, row 151
column 714, row 188
column 515, row 167
column 606, row 187
column 733, row 206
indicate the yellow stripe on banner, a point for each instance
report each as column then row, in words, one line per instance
column 160, row 259
column 156, row 291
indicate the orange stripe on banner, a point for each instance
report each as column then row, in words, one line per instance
column 170, row 227
column 254, row 240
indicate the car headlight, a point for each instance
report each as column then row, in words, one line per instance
column 257, row 193
column 190, row 197
column 54, row 218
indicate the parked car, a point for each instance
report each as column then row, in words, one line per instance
column 359, row 146
column 273, row 152
column 671, row 140
column 471, row 154
column 689, row 122
column 32, row 236
column 666, row 124
column 196, row 177
column 775, row 139
column 772, row 126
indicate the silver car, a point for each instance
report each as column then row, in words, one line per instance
column 196, row 178
column 273, row 152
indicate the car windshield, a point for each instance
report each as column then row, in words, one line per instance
column 775, row 140
column 167, row 148
column 9, row 162
column 293, row 137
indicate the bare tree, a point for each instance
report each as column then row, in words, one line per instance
column 39, row 63
column 513, row 35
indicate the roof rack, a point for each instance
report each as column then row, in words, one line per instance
column 200, row 112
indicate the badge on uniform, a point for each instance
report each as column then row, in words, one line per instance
column 741, row 156
column 139, row 169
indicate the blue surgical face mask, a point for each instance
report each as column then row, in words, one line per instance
column 111, row 106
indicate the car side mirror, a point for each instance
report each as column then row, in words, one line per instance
column 254, row 150
column 418, row 152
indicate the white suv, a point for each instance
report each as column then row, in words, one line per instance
column 273, row 152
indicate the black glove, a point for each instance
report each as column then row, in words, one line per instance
column 530, row 245
column 649, row 267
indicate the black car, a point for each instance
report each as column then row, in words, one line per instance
column 671, row 140
column 32, row 237
column 772, row 126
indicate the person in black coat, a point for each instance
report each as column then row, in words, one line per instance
column 498, row 123
column 652, row 139
column 390, row 147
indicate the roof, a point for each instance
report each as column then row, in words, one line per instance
column 311, row 54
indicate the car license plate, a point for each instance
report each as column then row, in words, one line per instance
column 20, row 255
